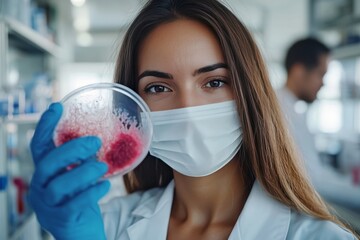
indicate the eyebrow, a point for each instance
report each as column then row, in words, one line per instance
column 153, row 73
column 210, row 68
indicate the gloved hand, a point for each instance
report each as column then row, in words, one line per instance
column 65, row 201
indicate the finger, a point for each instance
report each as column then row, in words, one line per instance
column 42, row 141
column 33, row 197
column 89, row 197
column 74, row 151
column 70, row 183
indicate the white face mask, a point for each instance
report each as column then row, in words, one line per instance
column 197, row 141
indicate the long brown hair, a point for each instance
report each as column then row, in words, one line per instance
column 267, row 153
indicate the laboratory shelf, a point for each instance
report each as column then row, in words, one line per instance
column 348, row 51
column 23, row 118
column 345, row 21
column 28, row 52
column 29, row 40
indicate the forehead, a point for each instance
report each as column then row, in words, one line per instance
column 179, row 42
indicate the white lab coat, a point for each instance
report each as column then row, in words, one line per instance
column 331, row 185
column 145, row 215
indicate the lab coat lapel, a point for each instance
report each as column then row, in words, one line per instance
column 262, row 218
column 153, row 215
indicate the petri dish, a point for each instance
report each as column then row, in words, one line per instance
column 114, row 113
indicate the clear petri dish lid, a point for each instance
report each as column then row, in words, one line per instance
column 114, row 113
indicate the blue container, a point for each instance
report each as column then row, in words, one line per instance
column 3, row 183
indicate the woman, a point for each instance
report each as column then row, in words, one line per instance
column 221, row 165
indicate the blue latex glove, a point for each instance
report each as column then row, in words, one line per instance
column 65, row 201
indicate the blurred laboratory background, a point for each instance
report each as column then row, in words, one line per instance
column 50, row 47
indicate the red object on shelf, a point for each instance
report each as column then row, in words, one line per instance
column 356, row 175
column 21, row 187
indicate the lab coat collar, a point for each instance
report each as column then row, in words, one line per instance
column 153, row 214
column 153, row 204
column 288, row 95
column 261, row 218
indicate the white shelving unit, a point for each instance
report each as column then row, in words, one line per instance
column 23, row 38
column 3, row 194
column 24, row 118
column 18, row 120
column 348, row 51
column 30, row 39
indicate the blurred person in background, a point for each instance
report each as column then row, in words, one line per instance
column 306, row 64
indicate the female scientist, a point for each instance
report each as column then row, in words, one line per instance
column 221, row 164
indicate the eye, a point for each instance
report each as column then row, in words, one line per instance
column 215, row 83
column 156, row 89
